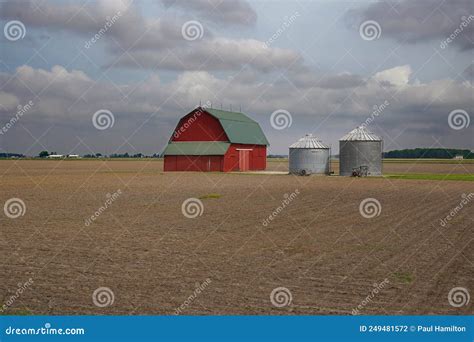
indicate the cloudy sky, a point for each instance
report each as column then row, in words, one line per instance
column 323, row 67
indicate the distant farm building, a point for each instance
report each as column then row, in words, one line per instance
column 209, row 139
column 56, row 156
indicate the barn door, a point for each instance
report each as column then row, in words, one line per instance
column 244, row 160
column 216, row 162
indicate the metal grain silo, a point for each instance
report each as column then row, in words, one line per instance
column 360, row 148
column 309, row 156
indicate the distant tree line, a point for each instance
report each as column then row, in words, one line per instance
column 126, row 155
column 46, row 154
column 11, row 155
column 97, row 155
column 434, row 153
column 121, row 155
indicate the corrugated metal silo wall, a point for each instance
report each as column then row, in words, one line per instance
column 358, row 153
column 310, row 160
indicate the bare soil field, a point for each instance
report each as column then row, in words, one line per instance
column 390, row 167
column 330, row 257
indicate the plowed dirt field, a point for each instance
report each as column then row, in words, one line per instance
column 309, row 240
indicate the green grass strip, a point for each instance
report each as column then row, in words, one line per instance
column 433, row 176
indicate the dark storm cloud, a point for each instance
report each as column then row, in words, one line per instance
column 216, row 54
column 468, row 73
column 303, row 77
column 414, row 21
column 265, row 79
column 152, row 43
column 129, row 30
column 225, row 12
column 341, row 81
column 69, row 98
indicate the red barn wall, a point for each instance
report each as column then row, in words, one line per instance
column 193, row 163
column 226, row 163
column 199, row 126
column 258, row 157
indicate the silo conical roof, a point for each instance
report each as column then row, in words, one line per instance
column 309, row 141
column 360, row 134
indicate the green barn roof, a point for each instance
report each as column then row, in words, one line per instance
column 226, row 115
column 196, row 148
column 240, row 129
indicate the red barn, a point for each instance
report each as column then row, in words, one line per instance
column 216, row 140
